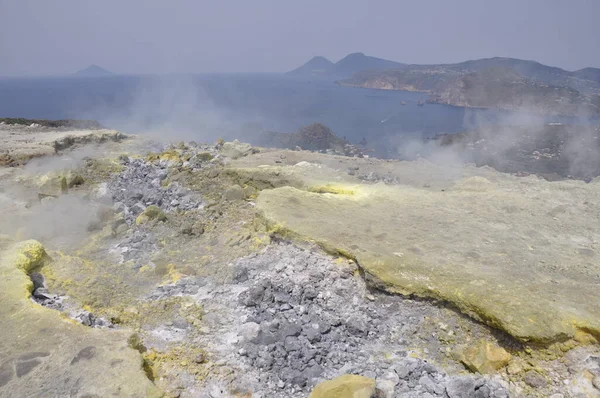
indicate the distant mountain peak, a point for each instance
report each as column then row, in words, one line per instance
column 93, row 70
column 319, row 58
column 355, row 55
column 345, row 67
column 317, row 66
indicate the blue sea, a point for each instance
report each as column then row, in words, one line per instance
column 202, row 107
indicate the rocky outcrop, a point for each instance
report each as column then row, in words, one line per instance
column 19, row 144
column 45, row 354
column 314, row 137
column 396, row 249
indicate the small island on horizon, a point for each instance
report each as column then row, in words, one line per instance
column 93, row 71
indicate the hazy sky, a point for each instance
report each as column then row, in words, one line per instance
column 161, row 36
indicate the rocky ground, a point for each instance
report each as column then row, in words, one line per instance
column 217, row 305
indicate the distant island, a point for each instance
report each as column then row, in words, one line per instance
column 504, row 83
column 93, row 71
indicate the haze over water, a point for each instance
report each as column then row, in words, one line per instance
column 197, row 106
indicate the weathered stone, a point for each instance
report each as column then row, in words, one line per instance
column 346, row 386
column 236, row 149
column 485, row 357
column 534, row 379
column 483, row 392
column 121, row 229
column 54, row 187
column 310, row 292
column 313, row 335
column 234, row 193
column 292, row 344
column 151, row 213
column 193, row 229
column 41, row 293
column 357, row 326
column 253, row 296
column 75, row 180
column 291, row 329
column 386, row 388
column 240, row 274
column 461, row 387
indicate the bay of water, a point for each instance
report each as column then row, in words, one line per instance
column 205, row 106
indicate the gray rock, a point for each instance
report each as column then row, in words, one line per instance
column 290, row 329
column 287, row 374
column 596, row 382
column 237, row 149
column 357, row 326
column 249, row 331
column 281, row 297
column 37, row 279
column 234, row 193
column 460, row 387
column 265, row 337
column 264, row 363
column 386, row 388
column 299, row 380
column 483, row 392
column 534, row 379
column 86, row 318
column 313, row 335
column 292, row 344
column 430, row 386
column 310, row 293
column 254, row 296
column 42, row 293
column 240, row 274
column 324, row 326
